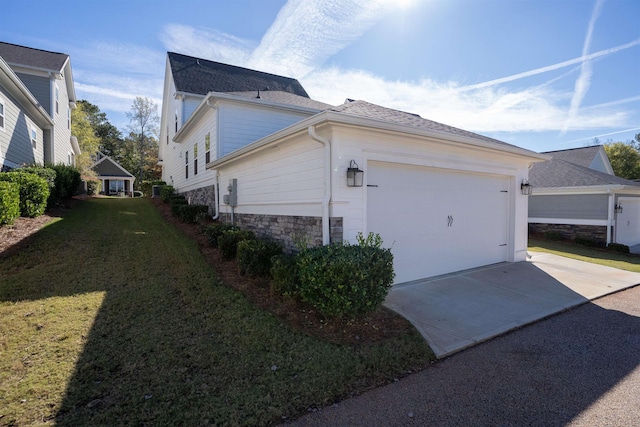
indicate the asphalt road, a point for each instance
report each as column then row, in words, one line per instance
column 577, row 368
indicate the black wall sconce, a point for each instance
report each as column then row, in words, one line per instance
column 618, row 208
column 526, row 188
column 355, row 176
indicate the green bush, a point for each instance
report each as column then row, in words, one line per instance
column 34, row 192
column 228, row 241
column 346, row 280
column 147, row 185
column 92, row 187
column 68, row 181
column 43, row 172
column 254, row 256
column 553, row 235
column 284, row 274
column 9, row 202
column 214, row 231
column 589, row 242
column 618, row 247
column 166, row 191
column 190, row 213
column 176, row 204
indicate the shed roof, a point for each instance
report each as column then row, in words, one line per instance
column 201, row 76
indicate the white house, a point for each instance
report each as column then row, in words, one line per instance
column 48, row 78
column 442, row 198
column 577, row 194
column 114, row 179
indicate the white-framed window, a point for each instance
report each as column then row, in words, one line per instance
column 34, row 137
column 1, row 114
column 207, row 148
column 68, row 118
column 176, row 121
column 195, row 159
column 57, row 99
column 186, row 164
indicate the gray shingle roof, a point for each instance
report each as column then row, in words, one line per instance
column 377, row 112
column 201, row 76
column 582, row 156
column 28, row 56
column 556, row 173
column 286, row 98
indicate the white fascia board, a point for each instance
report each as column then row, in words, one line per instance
column 345, row 119
column 9, row 79
column 595, row 189
column 68, row 78
column 216, row 97
column 75, row 146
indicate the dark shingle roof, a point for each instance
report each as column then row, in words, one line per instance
column 377, row 112
column 286, row 98
column 556, row 173
column 582, row 156
column 27, row 56
column 200, row 76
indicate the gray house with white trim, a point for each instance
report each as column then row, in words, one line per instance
column 577, row 194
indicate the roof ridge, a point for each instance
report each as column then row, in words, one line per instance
column 35, row 48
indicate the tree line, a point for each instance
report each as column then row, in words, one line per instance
column 137, row 151
column 624, row 157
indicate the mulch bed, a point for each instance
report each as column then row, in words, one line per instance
column 381, row 325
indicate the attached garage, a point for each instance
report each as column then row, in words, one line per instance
column 438, row 221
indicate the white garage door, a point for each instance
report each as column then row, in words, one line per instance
column 628, row 222
column 437, row 221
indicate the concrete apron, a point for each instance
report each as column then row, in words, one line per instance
column 459, row 310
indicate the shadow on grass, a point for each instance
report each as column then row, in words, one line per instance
column 600, row 255
column 169, row 344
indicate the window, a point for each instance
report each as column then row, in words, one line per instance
column 195, row 159
column 176, row 121
column 34, row 137
column 186, row 164
column 1, row 114
column 207, row 148
column 57, row 99
column 167, row 134
column 68, row 118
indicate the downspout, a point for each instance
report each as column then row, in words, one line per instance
column 327, row 183
column 611, row 214
column 216, row 196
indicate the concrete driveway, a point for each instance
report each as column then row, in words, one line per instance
column 457, row 311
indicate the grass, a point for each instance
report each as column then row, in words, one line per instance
column 112, row 317
column 629, row 262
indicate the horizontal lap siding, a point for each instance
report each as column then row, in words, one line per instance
column 571, row 206
column 15, row 140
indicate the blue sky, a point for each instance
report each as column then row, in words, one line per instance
column 540, row 74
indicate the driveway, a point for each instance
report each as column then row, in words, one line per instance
column 459, row 310
column 579, row 368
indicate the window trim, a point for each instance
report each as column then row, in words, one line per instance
column 195, row 159
column 207, row 148
column 33, row 136
column 57, row 98
column 3, row 114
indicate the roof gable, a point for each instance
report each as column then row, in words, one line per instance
column 201, row 76
column 593, row 157
column 106, row 166
column 34, row 58
column 557, row 173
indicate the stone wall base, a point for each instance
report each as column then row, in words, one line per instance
column 597, row 233
column 292, row 231
column 202, row 196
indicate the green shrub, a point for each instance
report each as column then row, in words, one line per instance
column 176, row 204
column 284, row 274
column 166, row 191
column 34, row 192
column 43, row 172
column 553, row 235
column 190, row 213
column 68, row 181
column 589, row 242
column 147, row 185
column 228, row 241
column 254, row 256
column 9, row 202
column 346, row 280
column 92, row 187
column 618, row 247
column 214, row 231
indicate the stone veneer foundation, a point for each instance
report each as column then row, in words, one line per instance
column 597, row 233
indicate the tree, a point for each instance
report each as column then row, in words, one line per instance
column 110, row 137
column 143, row 119
column 82, row 129
column 624, row 158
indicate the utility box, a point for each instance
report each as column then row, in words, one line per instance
column 231, row 199
column 155, row 191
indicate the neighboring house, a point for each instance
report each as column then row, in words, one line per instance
column 115, row 179
column 577, row 194
column 48, row 79
column 443, row 199
column 23, row 122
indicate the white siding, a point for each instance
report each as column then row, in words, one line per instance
column 241, row 125
column 62, row 148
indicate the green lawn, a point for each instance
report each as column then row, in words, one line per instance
column 111, row 316
column 609, row 258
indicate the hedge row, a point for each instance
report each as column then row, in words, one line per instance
column 9, row 202
column 33, row 190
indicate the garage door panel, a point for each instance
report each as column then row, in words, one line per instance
column 437, row 221
column 628, row 222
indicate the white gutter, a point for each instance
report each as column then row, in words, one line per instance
column 327, row 183
column 216, row 196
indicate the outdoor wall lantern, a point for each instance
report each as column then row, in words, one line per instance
column 354, row 175
column 618, row 208
column 526, row 188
